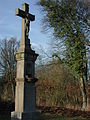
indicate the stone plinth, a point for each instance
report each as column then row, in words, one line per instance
column 25, row 102
column 25, row 97
column 25, row 115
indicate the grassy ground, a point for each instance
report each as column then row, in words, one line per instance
column 54, row 117
column 50, row 117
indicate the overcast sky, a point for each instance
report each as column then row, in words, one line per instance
column 10, row 25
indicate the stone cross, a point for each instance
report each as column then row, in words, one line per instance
column 25, row 93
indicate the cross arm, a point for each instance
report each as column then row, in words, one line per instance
column 31, row 17
column 20, row 13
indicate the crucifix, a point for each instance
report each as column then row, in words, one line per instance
column 26, row 18
column 25, row 92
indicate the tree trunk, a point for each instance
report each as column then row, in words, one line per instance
column 84, row 96
column 13, row 95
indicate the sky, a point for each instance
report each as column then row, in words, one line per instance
column 10, row 25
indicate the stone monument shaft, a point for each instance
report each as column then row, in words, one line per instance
column 25, row 94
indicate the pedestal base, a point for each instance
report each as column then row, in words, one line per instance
column 25, row 116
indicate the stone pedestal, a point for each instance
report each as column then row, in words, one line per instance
column 25, row 94
column 25, row 102
column 25, row 97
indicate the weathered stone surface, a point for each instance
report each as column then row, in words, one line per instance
column 19, row 98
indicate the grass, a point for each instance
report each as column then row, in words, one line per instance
column 58, row 117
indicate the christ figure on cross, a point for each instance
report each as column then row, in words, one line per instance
column 27, row 26
column 27, row 17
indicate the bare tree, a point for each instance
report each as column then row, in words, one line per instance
column 8, row 50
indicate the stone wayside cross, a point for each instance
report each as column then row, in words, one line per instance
column 25, row 94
